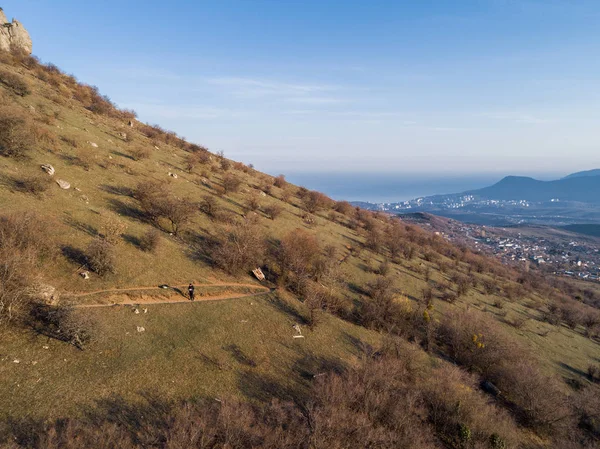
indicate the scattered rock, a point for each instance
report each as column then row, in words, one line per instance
column 156, row 148
column 94, row 144
column 297, row 328
column 78, row 189
column 141, row 329
column 46, row 347
column 16, row 361
column 85, row 274
column 173, row 175
column 34, row 362
column 146, row 310
column 130, row 123
column 63, row 184
column 205, row 182
column 136, row 311
column 48, row 169
column 263, row 194
column 259, row 274
column 123, row 135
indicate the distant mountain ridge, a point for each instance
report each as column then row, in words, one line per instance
column 595, row 172
column 577, row 187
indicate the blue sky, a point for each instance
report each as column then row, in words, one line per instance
column 432, row 86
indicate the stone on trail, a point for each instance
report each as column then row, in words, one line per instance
column 48, row 169
column 63, row 184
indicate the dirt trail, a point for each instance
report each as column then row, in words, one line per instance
column 172, row 300
column 155, row 287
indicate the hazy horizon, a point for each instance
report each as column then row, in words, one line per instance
column 387, row 187
column 352, row 86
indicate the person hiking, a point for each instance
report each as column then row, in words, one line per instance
column 191, row 291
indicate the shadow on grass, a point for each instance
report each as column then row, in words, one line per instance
column 125, row 155
column 133, row 240
column 199, row 247
column 81, row 226
column 128, row 210
column 117, row 190
column 263, row 387
column 283, row 306
column 74, row 255
column 239, row 355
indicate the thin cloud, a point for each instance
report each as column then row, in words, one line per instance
column 182, row 112
column 291, row 92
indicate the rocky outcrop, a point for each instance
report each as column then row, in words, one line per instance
column 14, row 35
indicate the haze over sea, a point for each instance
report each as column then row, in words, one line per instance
column 395, row 187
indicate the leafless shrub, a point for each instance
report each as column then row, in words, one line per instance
column 15, row 82
column 209, row 205
column 35, row 184
column 273, row 210
column 241, row 247
column 25, row 242
column 315, row 201
column 101, row 257
column 231, row 183
column 280, row 182
column 150, row 241
column 140, row 153
column 63, row 322
column 253, row 201
column 159, row 203
column 16, row 133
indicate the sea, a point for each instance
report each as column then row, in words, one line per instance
column 388, row 187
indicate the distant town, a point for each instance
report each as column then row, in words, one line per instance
column 549, row 249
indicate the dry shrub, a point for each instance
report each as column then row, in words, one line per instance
column 253, row 202
column 45, row 136
column 280, row 182
column 192, row 160
column 69, row 141
column 478, row 343
column 15, row 82
column 209, row 206
column 140, row 153
column 112, row 229
column 16, row 132
column 461, row 416
column 86, row 158
column 231, row 183
column 25, row 243
column 63, row 322
column 315, row 201
column 35, row 185
column 159, row 203
column 273, row 210
column 241, row 247
column 344, row 208
column 101, row 257
column 225, row 164
column 373, row 406
column 150, row 241
column 298, row 256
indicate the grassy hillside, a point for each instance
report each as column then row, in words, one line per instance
column 155, row 210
